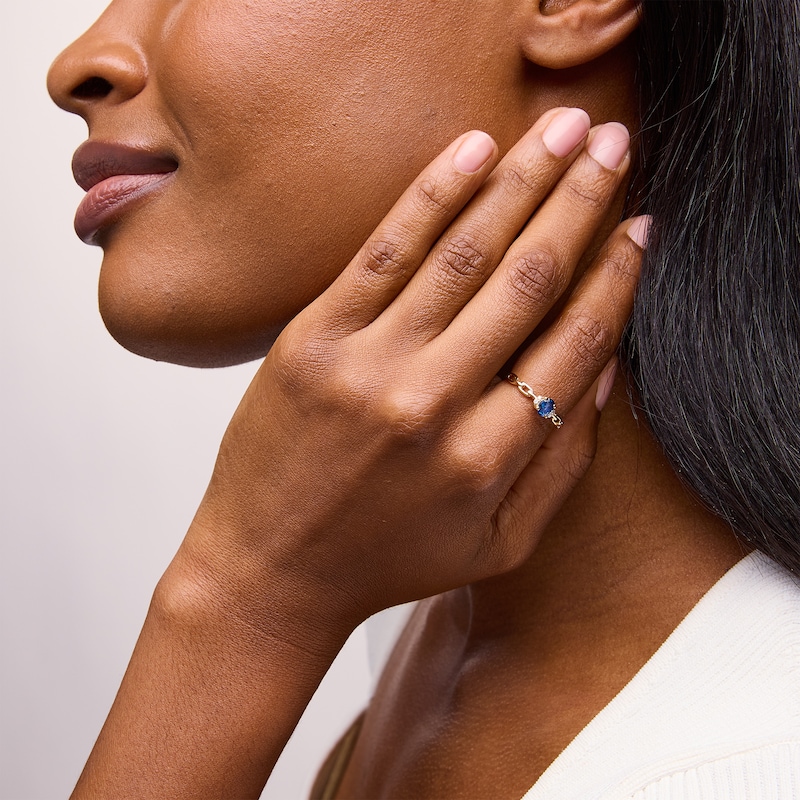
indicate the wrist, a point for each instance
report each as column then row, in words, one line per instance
column 220, row 673
column 235, row 596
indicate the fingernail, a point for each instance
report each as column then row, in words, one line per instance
column 606, row 383
column 609, row 144
column 639, row 230
column 473, row 152
column 566, row 131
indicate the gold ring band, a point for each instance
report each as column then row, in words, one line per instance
column 545, row 406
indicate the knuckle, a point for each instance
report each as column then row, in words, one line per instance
column 475, row 471
column 410, row 417
column 298, row 362
column 622, row 264
column 534, row 277
column 591, row 194
column 515, row 553
column 578, row 461
column 505, row 550
column 519, row 177
column 433, row 199
column 384, row 257
column 463, row 257
column 592, row 339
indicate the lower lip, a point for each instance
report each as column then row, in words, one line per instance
column 105, row 201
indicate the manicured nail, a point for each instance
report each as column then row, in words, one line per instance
column 606, row 383
column 566, row 131
column 474, row 151
column 610, row 144
column 639, row 230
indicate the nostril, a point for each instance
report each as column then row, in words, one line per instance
column 92, row 89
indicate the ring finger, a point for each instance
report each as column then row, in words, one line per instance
column 567, row 358
column 539, row 265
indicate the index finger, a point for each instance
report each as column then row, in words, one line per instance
column 398, row 246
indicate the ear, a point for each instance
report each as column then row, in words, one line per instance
column 558, row 34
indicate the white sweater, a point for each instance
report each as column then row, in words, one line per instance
column 713, row 715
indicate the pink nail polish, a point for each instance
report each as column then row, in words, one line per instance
column 639, row 230
column 473, row 152
column 606, row 384
column 609, row 144
column 566, row 131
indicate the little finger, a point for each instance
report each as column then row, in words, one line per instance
column 543, row 485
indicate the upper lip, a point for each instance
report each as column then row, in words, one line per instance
column 95, row 161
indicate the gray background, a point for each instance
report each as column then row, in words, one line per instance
column 104, row 456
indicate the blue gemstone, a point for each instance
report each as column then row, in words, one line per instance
column 546, row 407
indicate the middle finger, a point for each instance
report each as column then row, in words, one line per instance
column 539, row 265
column 474, row 244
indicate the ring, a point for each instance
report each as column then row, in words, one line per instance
column 545, row 406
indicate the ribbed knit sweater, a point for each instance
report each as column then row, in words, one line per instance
column 713, row 715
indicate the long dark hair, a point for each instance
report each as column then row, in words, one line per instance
column 713, row 347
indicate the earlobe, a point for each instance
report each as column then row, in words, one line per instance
column 559, row 34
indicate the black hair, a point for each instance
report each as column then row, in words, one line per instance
column 713, row 347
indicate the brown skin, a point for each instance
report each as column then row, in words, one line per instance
column 491, row 682
column 285, row 119
column 296, row 128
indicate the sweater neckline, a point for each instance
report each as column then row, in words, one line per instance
column 724, row 624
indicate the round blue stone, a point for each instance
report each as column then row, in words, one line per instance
column 546, row 407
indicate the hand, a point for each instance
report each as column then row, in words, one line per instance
column 377, row 458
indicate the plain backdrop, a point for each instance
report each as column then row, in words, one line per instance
column 105, row 456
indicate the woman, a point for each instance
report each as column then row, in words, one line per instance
column 588, row 633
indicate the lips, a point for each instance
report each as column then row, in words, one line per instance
column 115, row 177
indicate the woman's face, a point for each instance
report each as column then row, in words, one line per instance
column 294, row 126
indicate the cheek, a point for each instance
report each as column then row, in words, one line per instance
column 295, row 134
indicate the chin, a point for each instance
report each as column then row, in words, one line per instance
column 182, row 324
column 167, row 294
column 208, row 353
column 185, row 343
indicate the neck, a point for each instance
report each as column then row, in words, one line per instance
column 625, row 560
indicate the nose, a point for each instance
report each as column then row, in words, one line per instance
column 98, row 69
